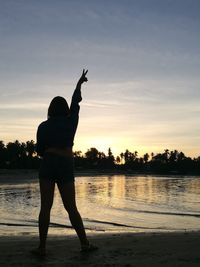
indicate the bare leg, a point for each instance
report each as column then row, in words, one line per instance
column 67, row 192
column 47, row 194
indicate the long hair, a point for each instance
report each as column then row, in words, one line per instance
column 58, row 107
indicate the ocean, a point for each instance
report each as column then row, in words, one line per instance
column 107, row 203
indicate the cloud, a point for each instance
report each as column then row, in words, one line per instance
column 143, row 61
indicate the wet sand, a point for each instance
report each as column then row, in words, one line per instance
column 163, row 249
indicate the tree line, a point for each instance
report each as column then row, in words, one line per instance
column 22, row 155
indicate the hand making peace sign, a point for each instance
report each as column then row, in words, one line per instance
column 83, row 77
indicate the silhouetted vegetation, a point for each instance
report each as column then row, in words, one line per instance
column 20, row 155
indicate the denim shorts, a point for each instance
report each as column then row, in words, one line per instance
column 57, row 168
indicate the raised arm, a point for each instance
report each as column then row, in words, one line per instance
column 76, row 98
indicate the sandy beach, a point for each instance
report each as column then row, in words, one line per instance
column 168, row 249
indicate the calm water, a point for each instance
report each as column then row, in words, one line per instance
column 108, row 203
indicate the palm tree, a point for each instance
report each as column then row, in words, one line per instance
column 181, row 156
column 146, row 157
column 92, row 154
column 122, row 157
column 2, row 154
column 77, row 154
column 110, row 159
column 166, row 155
column 30, row 148
column 173, row 156
column 118, row 160
column 13, row 153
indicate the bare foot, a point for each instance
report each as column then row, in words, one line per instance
column 88, row 248
column 39, row 252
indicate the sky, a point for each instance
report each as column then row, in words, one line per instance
column 143, row 61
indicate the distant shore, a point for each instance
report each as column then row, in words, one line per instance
column 7, row 175
column 166, row 250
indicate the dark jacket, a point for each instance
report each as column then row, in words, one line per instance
column 59, row 131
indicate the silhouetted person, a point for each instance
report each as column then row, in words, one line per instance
column 55, row 138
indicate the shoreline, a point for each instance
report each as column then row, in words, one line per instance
column 22, row 176
column 90, row 172
column 30, row 175
column 138, row 249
